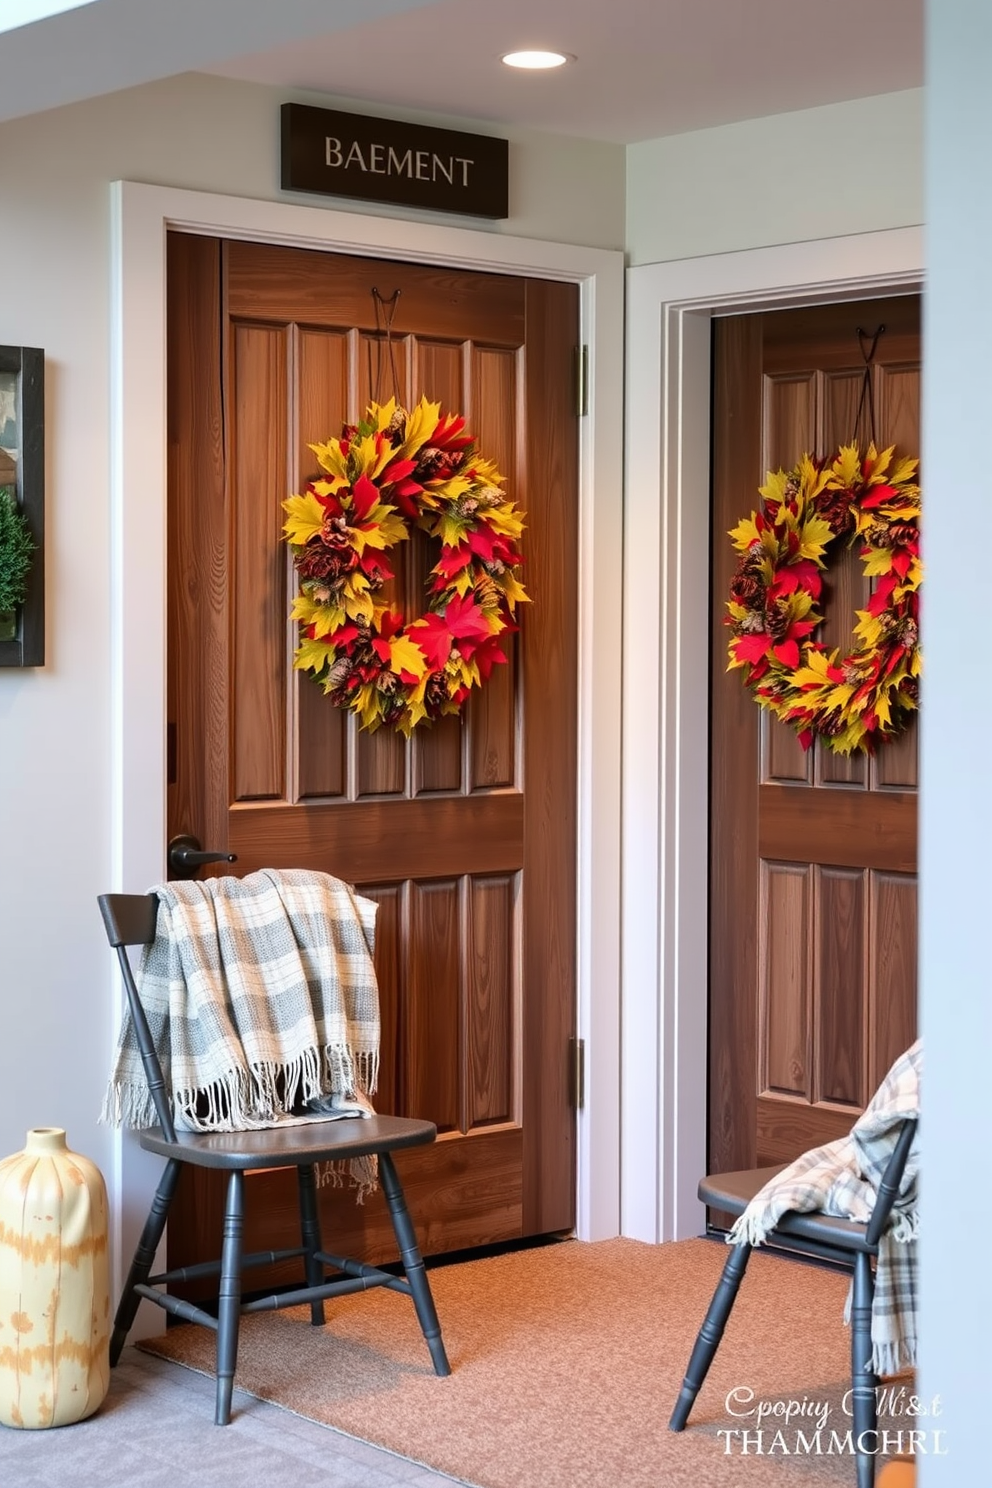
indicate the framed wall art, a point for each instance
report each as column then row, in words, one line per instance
column 22, row 506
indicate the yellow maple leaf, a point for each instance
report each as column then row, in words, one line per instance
column 382, row 414
column 419, row 427
column 816, row 534
column 312, row 656
column 406, row 656
column 774, row 487
column 304, row 608
column 328, row 487
column 331, row 457
column 357, row 603
column 415, row 709
column 880, row 562
column 327, row 620
column 905, row 469
column 451, row 530
column 389, row 528
column 304, row 518
column 745, row 533
column 515, row 593
column 846, row 468
column 364, row 456
column 505, row 519
column 451, row 489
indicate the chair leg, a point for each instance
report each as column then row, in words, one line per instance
column 310, row 1232
column 413, row 1263
column 864, row 1397
column 710, row 1334
column 144, row 1257
column 229, row 1299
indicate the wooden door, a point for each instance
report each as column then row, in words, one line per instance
column 813, row 856
column 465, row 836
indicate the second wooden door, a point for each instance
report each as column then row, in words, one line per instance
column 813, row 855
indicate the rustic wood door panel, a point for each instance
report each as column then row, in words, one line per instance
column 813, row 856
column 465, row 835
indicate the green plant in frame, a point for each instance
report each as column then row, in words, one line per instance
column 16, row 548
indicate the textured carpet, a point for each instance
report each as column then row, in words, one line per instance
column 566, row 1363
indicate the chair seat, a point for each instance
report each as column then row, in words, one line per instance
column 284, row 1146
column 732, row 1192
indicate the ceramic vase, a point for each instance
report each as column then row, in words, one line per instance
column 54, row 1284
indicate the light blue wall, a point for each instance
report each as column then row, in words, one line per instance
column 820, row 173
column 956, row 819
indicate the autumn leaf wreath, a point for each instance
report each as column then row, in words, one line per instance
column 384, row 477
column 855, row 700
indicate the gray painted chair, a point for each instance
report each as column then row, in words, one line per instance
column 130, row 921
column 827, row 1238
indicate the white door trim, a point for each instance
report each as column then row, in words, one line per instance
column 141, row 216
column 665, row 684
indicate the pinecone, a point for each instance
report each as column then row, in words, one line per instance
column 878, row 535
column 339, row 673
column 902, row 533
column 746, row 588
column 835, row 507
column 487, row 594
column 435, row 694
column 776, row 621
column 325, row 564
column 435, row 464
column 831, row 725
column 909, row 633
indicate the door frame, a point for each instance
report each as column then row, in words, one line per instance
column 666, row 683
column 141, row 217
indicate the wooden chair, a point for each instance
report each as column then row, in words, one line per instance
column 130, row 921
column 816, row 1234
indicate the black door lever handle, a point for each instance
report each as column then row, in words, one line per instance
column 186, row 856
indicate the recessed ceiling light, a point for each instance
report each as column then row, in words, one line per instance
column 536, row 61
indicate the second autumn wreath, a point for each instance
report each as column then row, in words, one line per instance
column 389, row 474
column 851, row 698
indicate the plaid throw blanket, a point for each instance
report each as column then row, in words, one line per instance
column 262, row 1003
column 842, row 1178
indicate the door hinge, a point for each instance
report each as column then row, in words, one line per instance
column 581, row 381
column 577, row 1071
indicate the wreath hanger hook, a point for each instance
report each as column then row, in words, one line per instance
column 385, row 313
column 867, row 390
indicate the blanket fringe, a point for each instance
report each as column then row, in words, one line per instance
column 246, row 1099
column 363, row 1173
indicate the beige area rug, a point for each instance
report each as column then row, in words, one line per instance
column 566, row 1361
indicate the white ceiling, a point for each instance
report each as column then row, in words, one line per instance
column 644, row 67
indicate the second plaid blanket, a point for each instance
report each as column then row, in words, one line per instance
column 842, row 1178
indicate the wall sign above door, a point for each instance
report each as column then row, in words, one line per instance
column 413, row 165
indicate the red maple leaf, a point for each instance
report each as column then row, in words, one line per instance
column 879, row 601
column 878, row 495
column 787, row 652
column 752, row 647
column 364, row 496
column 432, row 635
column 465, row 619
column 452, row 561
column 788, row 579
column 488, row 654
column 448, row 434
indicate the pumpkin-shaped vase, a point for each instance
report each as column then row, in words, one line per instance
column 54, row 1284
